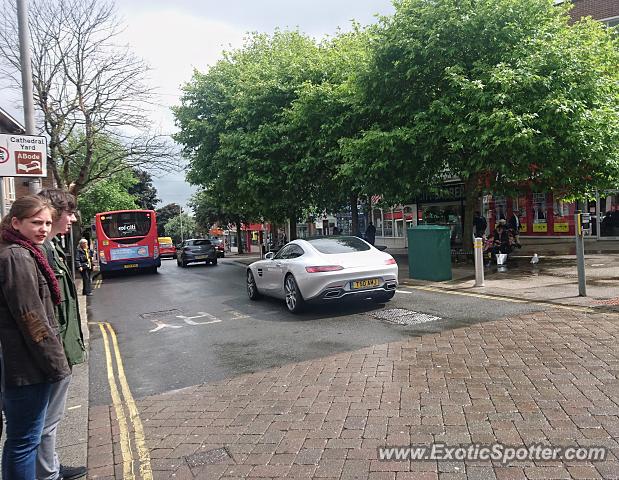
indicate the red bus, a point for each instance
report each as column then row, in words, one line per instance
column 126, row 239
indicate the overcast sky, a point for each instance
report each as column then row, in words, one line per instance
column 176, row 37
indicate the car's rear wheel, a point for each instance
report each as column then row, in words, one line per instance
column 383, row 297
column 252, row 288
column 214, row 261
column 294, row 299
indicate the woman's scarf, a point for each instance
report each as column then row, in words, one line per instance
column 13, row 236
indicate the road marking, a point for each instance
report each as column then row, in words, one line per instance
column 146, row 471
column 161, row 326
column 237, row 315
column 498, row 298
column 467, row 294
column 125, row 441
column 97, row 283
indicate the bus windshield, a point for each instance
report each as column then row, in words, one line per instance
column 126, row 224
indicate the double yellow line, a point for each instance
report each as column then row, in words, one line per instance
column 146, row 472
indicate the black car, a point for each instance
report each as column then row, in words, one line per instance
column 196, row 250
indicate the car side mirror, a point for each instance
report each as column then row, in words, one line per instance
column 269, row 256
column 382, row 248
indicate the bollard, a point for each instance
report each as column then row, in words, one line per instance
column 479, row 262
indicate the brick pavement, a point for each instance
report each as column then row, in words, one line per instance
column 544, row 377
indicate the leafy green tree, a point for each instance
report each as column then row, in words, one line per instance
column 502, row 93
column 144, row 191
column 208, row 210
column 107, row 195
column 234, row 131
column 164, row 214
column 181, row 227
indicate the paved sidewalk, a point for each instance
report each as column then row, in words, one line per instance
column 72, row 439
column 548, row 377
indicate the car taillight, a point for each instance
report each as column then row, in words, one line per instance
column 390, row 261
column 323, row 268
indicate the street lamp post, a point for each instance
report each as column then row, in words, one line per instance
column 181, row 220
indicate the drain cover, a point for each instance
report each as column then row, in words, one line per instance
column 402, row 316
column 161, row 314
column 210, row 457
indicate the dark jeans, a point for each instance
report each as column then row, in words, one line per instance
column 86, row 280
column 25, row 409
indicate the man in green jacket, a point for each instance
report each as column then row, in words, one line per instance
column 68, row 316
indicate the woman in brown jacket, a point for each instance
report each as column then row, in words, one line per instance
column 32, row 354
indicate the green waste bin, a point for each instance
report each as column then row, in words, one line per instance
column 429, row 252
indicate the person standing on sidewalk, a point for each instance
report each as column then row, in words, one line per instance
column 33, row 359
column 83, row 261
column 48, row 466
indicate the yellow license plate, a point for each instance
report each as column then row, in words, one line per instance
column 131, row 265
column 370, row 282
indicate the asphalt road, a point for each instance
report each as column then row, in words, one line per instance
column 182, row 327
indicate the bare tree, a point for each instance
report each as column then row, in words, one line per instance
column 90, row 91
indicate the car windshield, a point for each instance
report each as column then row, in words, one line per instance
column 334, row 245
column 197, row 243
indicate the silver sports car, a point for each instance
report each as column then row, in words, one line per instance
column 324, row 269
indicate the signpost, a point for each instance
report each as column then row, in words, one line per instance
column 23, row 156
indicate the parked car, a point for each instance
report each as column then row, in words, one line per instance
column 220, row 246
column 166, row 248
column 324, row 269
column 196, row 250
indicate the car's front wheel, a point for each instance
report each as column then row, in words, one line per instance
column 214, row 261
column 294, row 299
column 252, row 288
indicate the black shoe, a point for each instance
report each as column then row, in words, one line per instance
column 71, row 473
column 88, row 294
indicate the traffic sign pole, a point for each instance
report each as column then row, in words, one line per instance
column 26, row 77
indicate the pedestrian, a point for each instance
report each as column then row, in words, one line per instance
column 502, row 242
column 336, row 231
column 370, row 233
column 33, row 357
column 479, row 225
column 48, row 466
column 83, row 261
column 513, row 226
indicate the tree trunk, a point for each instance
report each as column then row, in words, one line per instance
column 239, row 241
column 354, row 216
column 471, row 192
column 293, row 228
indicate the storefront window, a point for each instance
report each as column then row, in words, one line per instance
column 377, row 219
column 540, row 221
column 609, row 213
column 500, row 208
column 447, row 214
column 388, row 228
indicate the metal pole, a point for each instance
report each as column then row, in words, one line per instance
column 479, row 262
column 580, row 255
column 181, row 220
column 2, row 199
column 26, row 77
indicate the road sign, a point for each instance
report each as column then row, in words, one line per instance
column 23, row 156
